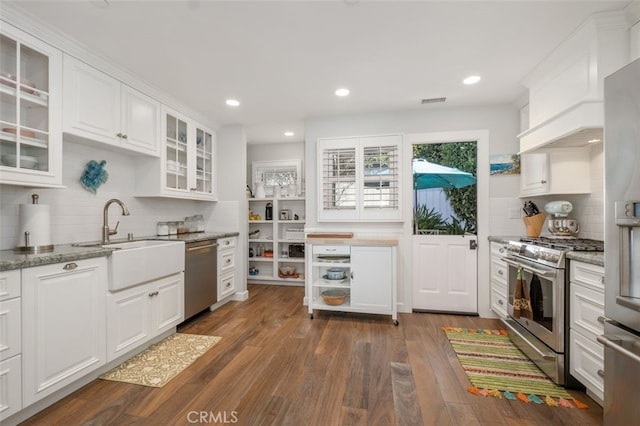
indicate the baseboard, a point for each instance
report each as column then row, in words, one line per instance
column 241, row 296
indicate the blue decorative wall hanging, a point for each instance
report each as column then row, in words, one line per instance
column 94, row 175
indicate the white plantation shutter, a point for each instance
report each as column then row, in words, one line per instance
column 339, row 179
column 381, row 177
column 359, row 179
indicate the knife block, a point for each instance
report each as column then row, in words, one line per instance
column 534, row 224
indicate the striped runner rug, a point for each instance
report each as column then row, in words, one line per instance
column 496, row 367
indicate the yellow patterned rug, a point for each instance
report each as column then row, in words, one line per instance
column 162, row 361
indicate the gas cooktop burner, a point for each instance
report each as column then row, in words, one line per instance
column 566, row 243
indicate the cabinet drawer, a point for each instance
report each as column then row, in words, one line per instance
column 226, row 243
column 227, row 262
column 331, row 250
column 498, row 301
column 587, row 359
column 498, row 270
column 10, row 328
column 586, row 306
column 227, row 286
column 9, row 284
column 10, row 386
column 588, row 274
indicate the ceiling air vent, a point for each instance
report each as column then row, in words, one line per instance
column 433, row 100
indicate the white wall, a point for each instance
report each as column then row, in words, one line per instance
column 76, row 214
column 500, row 123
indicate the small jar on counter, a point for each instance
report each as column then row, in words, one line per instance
column 180, row 227
column 162, row 228
column 173, row 228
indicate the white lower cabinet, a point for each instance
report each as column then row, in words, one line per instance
column 226, row 267
column 63, row 324
column 498, row 270
column 367, row 278
column 10, row 344
column 586, row 316
column 137, row 314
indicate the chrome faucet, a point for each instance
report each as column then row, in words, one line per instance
column 106, row 231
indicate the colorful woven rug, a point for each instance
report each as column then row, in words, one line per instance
column 496, row 367
column 161, row 362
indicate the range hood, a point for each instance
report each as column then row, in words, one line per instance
column 578, row 126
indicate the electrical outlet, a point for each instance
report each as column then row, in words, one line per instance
column 514, row 213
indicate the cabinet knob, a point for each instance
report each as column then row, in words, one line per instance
column 228, row 261
column 70, row 266
column 119, row 135
column 500, row 273
column 193, row 189
column 124, row 136
column 501, row 250
column 601, row 373
column 228, row 284
column 500, row 302
column 601, row 280
column 543, row 181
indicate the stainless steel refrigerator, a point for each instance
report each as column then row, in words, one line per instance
column 622, row 246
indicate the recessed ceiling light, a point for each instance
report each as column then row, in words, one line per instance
column 289, row 133
column 342, row 92
column 233, row 102
column 473, row 79
column 596, row 140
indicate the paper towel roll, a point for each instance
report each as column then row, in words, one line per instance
column 35, row 219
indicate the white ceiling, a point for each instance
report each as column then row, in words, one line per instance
column 284, row 60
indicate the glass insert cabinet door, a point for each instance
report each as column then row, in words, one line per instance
column 24, row 107
column 176, row 153
column 204, row 161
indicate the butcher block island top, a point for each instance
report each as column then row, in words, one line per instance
column 349, row 239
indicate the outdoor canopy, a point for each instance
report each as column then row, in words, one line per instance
column 430, row 175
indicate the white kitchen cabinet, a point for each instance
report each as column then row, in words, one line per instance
column 275, row 236
column 566, row 89
column 369, row 278
column 187, row 162
column 10, row 343
column 586, row 318
column 63, row 324
column 227, row 258
column 360, row 179
column 97, row 107
column 137, row 314
column 30, row 110
column 498, row 270
column 555, row 171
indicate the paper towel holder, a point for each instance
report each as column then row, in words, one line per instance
column 33, row 249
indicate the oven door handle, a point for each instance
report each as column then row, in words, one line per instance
column 615, row 343
column 529, row 268
column 544, row 356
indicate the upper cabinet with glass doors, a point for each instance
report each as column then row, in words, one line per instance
column 359, row 179
column 187, row 165
column 30, row 110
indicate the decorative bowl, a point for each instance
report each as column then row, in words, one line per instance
column 287, row 270
column 334, row 297
column 335, row 274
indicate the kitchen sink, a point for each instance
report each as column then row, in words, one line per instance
column 137, row 262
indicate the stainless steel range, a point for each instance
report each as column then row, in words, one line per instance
column 542, row 333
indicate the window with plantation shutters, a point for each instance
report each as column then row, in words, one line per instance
column 359, row 178
column 380, row 173
column 339, row 179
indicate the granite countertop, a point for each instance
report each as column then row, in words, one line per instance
column 9, row 259
column 595, row 258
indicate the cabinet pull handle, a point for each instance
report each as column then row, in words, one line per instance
column 70, row 266
column 601, row 280
column 601, row 373
column 119, row 135
column 601, row 319
column 501, row 250
column 153, row 293
column 331, row 249
column 543, row 181
column 351, row 274
column 124, row 136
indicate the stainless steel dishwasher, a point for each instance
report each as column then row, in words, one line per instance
column 200, row 276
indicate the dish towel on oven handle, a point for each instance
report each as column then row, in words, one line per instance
column 536, row 296
column 521, row 298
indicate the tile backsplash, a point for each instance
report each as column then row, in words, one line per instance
column 76, row 214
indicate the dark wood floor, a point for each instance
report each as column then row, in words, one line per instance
column 275, row 366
